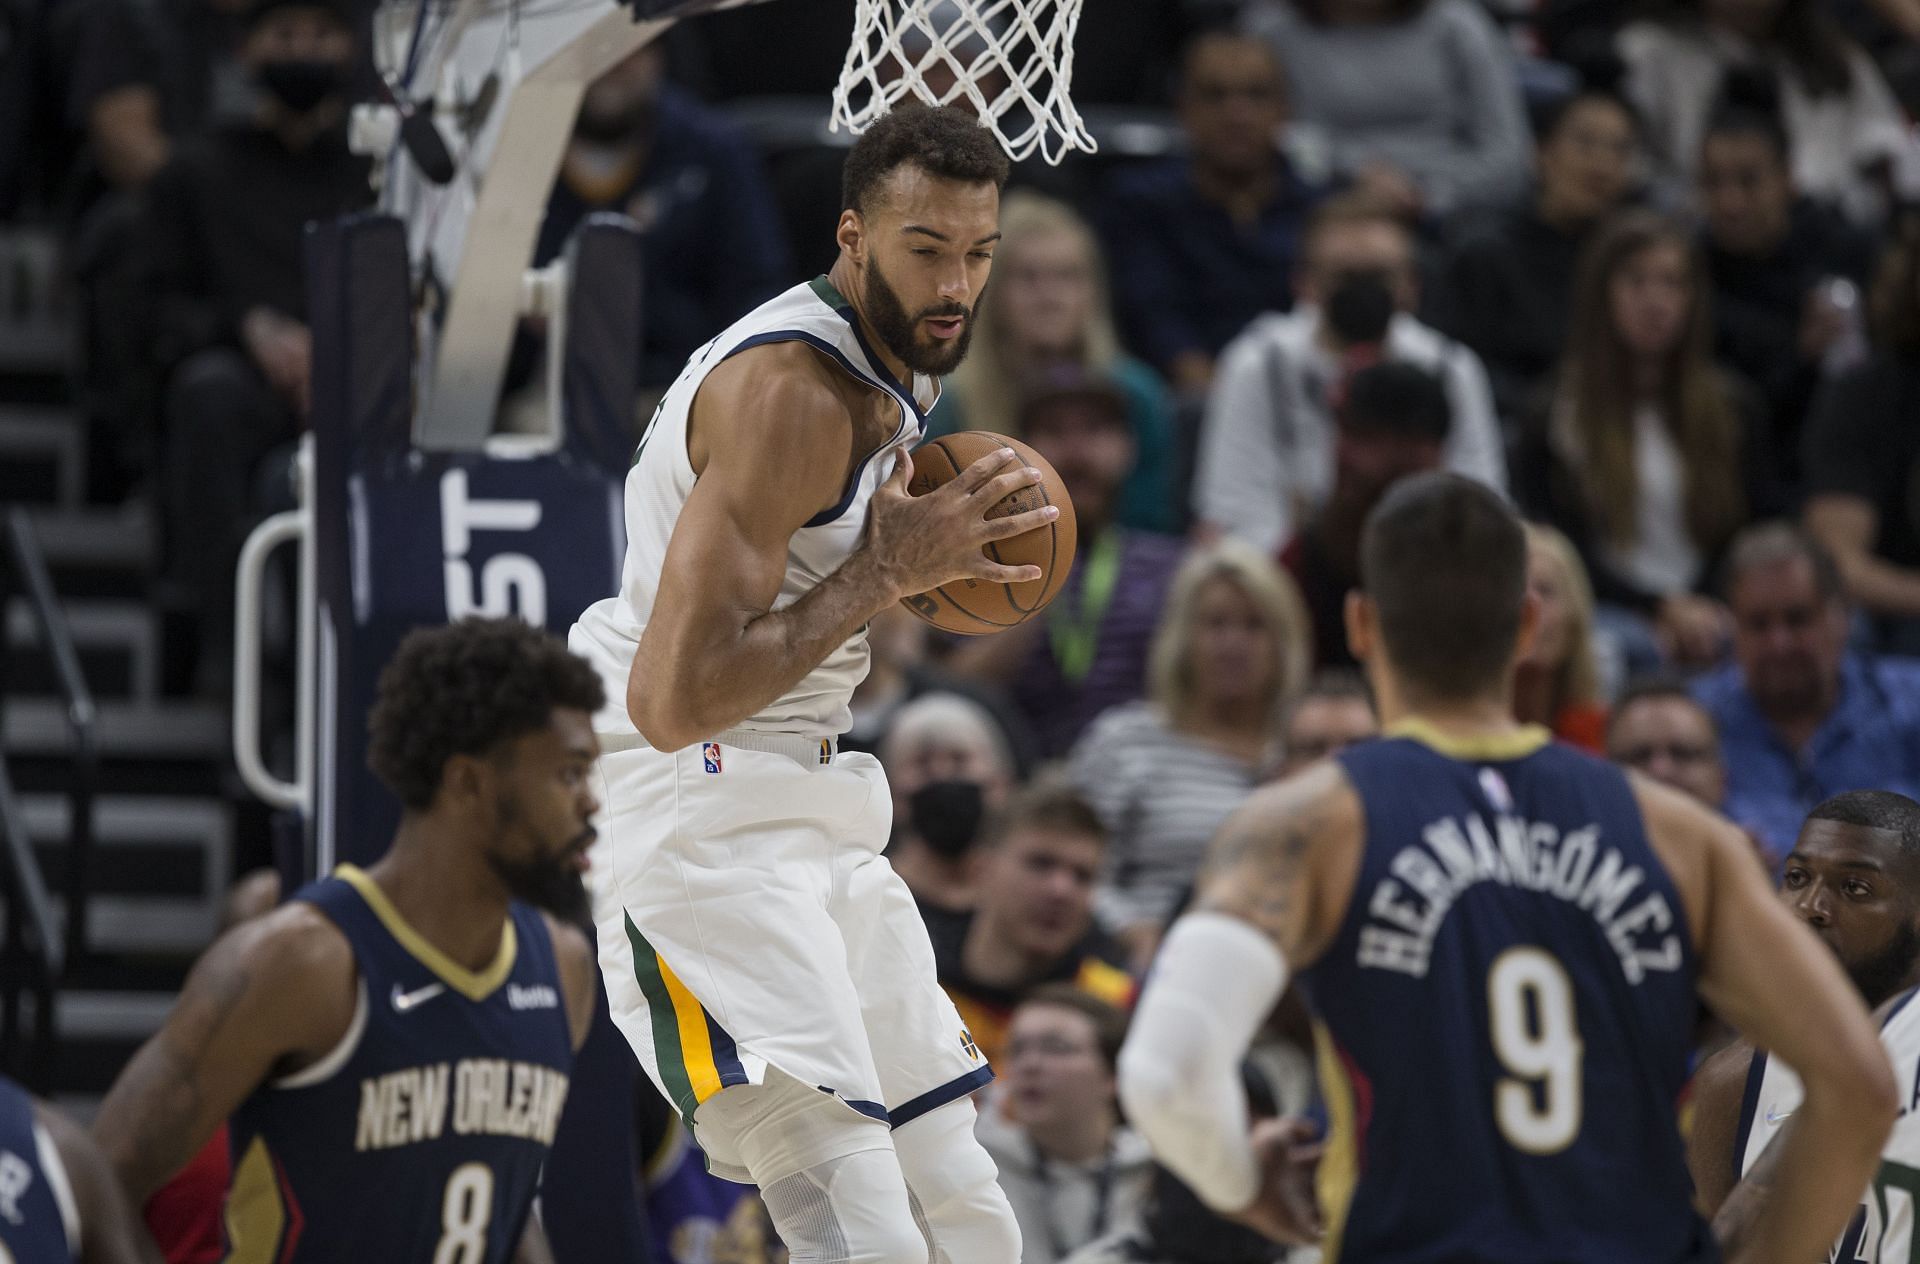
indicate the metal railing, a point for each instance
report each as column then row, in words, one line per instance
column 32, row 947
column 35, row 953
column 56, row 639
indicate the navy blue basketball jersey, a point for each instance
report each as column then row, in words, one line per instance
column 39, row 1223
column 420, row 1139
column 1505, row 1016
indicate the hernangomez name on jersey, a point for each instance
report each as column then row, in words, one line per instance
column 608, row 633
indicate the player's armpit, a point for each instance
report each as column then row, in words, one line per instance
column 1718, row 1087
column 1287, row 861
column 109, row 1231
column 579, row 976
column 1767, row 975
column 268, row 998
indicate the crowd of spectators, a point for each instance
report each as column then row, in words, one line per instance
column 1654, row 274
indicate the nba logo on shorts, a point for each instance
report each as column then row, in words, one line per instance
column 710, row 756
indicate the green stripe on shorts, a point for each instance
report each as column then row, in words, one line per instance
column 666, row 1025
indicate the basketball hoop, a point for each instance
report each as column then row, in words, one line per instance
column 1010, row 60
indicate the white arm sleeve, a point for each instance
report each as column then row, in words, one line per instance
column 1214, row 982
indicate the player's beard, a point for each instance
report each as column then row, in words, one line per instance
column 548, row 879
column 547, row 882
column 901, row 332
column 1885, row 973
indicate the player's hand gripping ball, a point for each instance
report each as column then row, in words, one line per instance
column 974, row 607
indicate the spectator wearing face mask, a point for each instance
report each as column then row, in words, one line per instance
column 1032, row 922
column 949, row 769
column 226, row 222
column 1071, row 1170
column 1233, row 645
column 1392, row 421
column 1267, row 442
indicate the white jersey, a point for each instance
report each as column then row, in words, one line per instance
column 1882, row 1231
column 608, row 633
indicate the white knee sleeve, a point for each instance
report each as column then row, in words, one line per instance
column 829, row 1177
column 777, row 1128
column 956, row 1188
column 849, row 1210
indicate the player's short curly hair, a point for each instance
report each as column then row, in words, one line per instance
column 942, row 141
column 464, row 689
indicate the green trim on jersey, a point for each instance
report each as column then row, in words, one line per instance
column 825, row 291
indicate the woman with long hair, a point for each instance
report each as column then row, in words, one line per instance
column 1841, row 117
column 1232, row 648
column 1645, row 457
column 1048, row 306
column 1558, row 683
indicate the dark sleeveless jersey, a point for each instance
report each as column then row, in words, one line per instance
column 420, row 1139
column 1505, row 1017
column 36, row 1204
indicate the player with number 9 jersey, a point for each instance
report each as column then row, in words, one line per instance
column 1513, row 936
column 1504, row 942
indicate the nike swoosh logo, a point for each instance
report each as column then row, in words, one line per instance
column 404, row 1001
column 1775, row 1119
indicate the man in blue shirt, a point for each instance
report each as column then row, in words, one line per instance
column 1801, row 717
column 1201, row 245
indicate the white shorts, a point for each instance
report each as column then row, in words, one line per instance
column 747, row 919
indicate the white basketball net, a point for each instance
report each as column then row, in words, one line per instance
column 1011, row 60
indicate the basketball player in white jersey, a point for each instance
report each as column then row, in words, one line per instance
column 1854, row 877
column 767, row 965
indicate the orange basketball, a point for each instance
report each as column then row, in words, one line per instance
column 974, row 607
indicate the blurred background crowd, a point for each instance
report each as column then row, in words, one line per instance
column 1652, row 271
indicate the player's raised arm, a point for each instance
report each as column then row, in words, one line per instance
column 268, row 997
column 774, row 438
column 1271, row 895
column 1767, row 975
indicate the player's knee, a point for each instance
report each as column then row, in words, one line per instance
column 957, row 1187
column 848, row 1210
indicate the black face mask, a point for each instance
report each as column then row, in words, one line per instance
column 1360, row 307
column 1187, row 1230
column 300, row 84
column 946, row 814
column 612, row 129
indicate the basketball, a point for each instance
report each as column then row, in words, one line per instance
column 975, row 607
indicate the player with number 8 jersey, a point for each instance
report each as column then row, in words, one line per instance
column 390, row 1049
